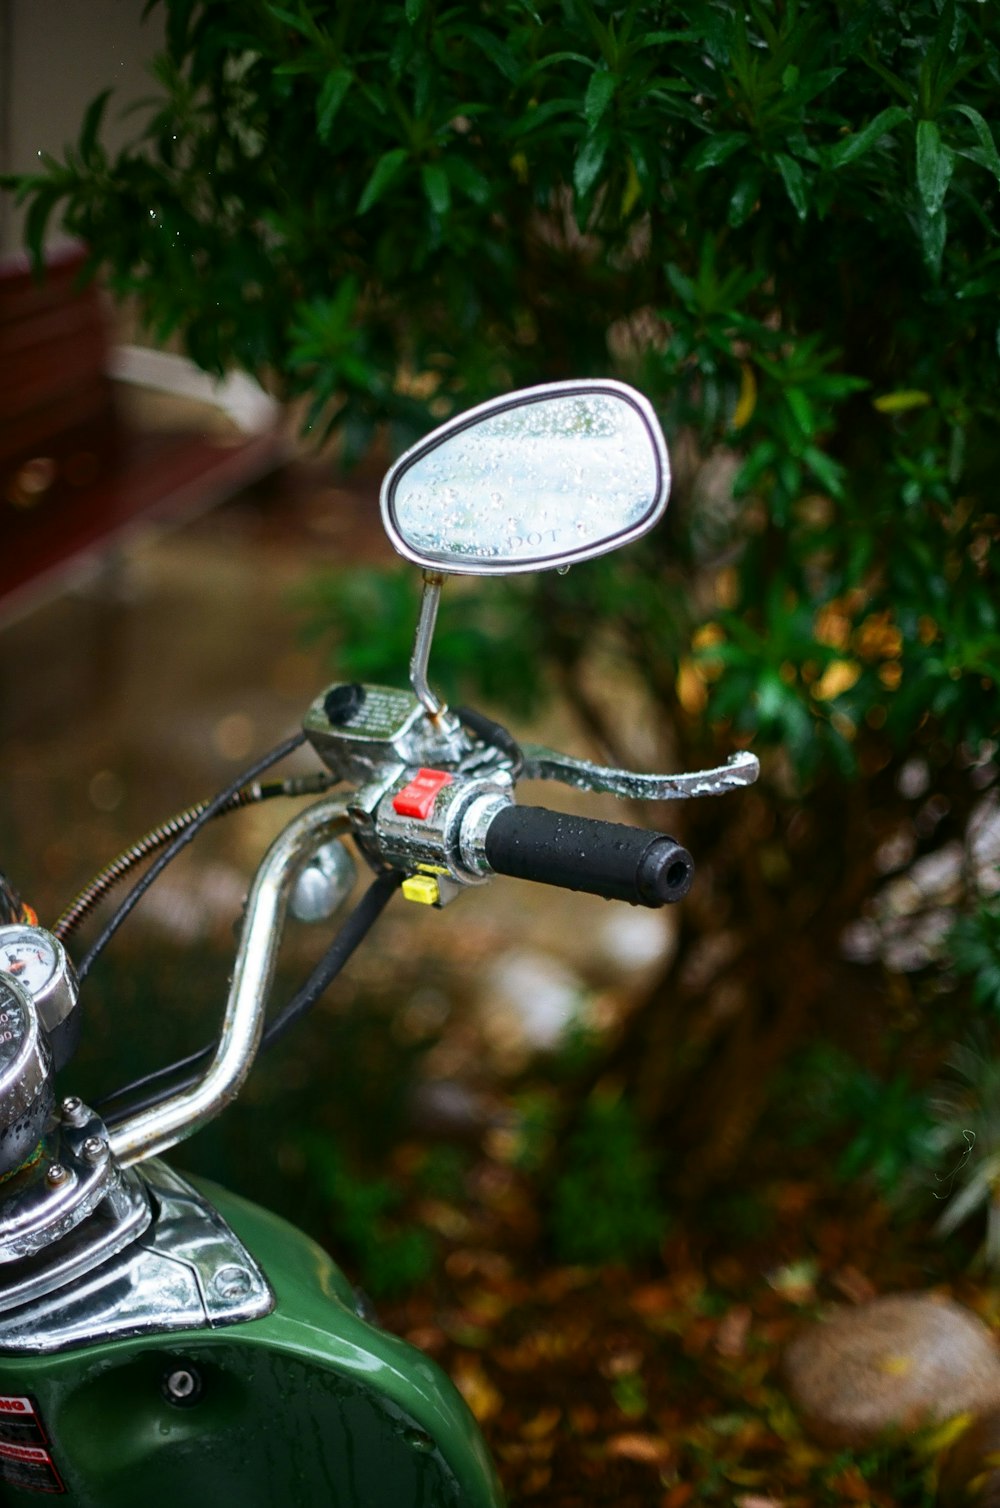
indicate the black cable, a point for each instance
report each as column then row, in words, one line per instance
column 494, row 734
column 183, row 838
column 113, row 873
column 350, row 935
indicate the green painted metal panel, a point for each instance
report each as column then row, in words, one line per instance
column 310, row 1405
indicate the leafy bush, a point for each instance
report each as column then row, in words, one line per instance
column 779, row 220
column 885, row 1125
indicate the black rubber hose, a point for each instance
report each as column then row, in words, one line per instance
column 578, row 853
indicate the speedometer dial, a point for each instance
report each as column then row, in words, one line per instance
column 37, row 961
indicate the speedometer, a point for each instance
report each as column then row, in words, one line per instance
column 37, row 962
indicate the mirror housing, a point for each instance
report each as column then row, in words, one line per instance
column 535, row 480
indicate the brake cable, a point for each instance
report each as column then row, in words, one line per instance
column 180, row 840
column 112, row 874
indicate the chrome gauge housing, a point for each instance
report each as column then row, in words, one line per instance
column 37, row 963
column 26, row 1093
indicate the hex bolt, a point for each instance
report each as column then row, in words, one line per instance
column 55, row 1175
column 93, row 1148
column 182, row 1386
column 73, row 1110
column 232, row 1282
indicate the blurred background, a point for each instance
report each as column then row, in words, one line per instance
column 310, row 236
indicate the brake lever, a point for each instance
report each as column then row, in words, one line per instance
column 541, row 763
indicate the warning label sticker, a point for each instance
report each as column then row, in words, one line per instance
column 25, row 1461
column 20, row 1422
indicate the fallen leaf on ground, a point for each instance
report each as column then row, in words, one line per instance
column 795, row 1281
column 476, row 1388
column 543, row 1423
column 734, row 1327
column 651, row 1450
column 852, row 1283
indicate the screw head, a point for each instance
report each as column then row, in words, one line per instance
column 72, row 1109
column 232, row 1282
column 182, row 1386
column 93, row 1148
column 55, row 1175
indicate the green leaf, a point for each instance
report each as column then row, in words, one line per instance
column 935, row 161
column 473, row 184
column 92, row 123
column 662, row 38
column 414, row 10
column 297, row 22
column 856, row 145
column 499, row 54
column 589, row 161
column 745, row 196
column 795, row 183
column 933, row 234
column 331, row 97
column 801, row 409
column 990, row 155
column 311, row 63
column 717, row 149
column 600, row 93
column 825, row 468
column 682, row 285
column 385, row 171
column 36, row 221
column 436, row 187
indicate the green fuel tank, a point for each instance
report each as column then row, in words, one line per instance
column 308, row 1405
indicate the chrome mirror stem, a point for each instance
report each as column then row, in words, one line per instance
column 433, row 582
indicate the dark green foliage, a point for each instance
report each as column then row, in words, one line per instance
column 889, row 1123
column 885, row 1126
column 389, row 1252
column 780, row 220
column 345, row 604
column 605, row 1205
column 974, row 946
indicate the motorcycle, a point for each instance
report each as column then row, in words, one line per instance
column 164, row 1340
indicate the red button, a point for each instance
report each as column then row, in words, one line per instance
column 417, row 798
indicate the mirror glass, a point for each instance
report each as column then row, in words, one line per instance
column 540, row 478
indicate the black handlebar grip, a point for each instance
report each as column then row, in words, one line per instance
column 604, row 858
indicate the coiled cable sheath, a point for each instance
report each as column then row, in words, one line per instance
column 209, row 810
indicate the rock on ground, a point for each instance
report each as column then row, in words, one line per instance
column 891, row 1366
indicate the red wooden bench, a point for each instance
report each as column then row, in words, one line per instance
column 75, row 475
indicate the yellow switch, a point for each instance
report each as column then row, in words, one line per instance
column 422, row 888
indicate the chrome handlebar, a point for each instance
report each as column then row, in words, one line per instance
column 379, row 748
column 151, row 1131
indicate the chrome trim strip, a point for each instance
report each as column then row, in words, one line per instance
column 189, row 1271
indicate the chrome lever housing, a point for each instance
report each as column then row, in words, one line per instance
column 542, row 763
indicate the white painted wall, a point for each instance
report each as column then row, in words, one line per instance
column 55, row 56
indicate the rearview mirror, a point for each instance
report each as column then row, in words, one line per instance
column 538, row 479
